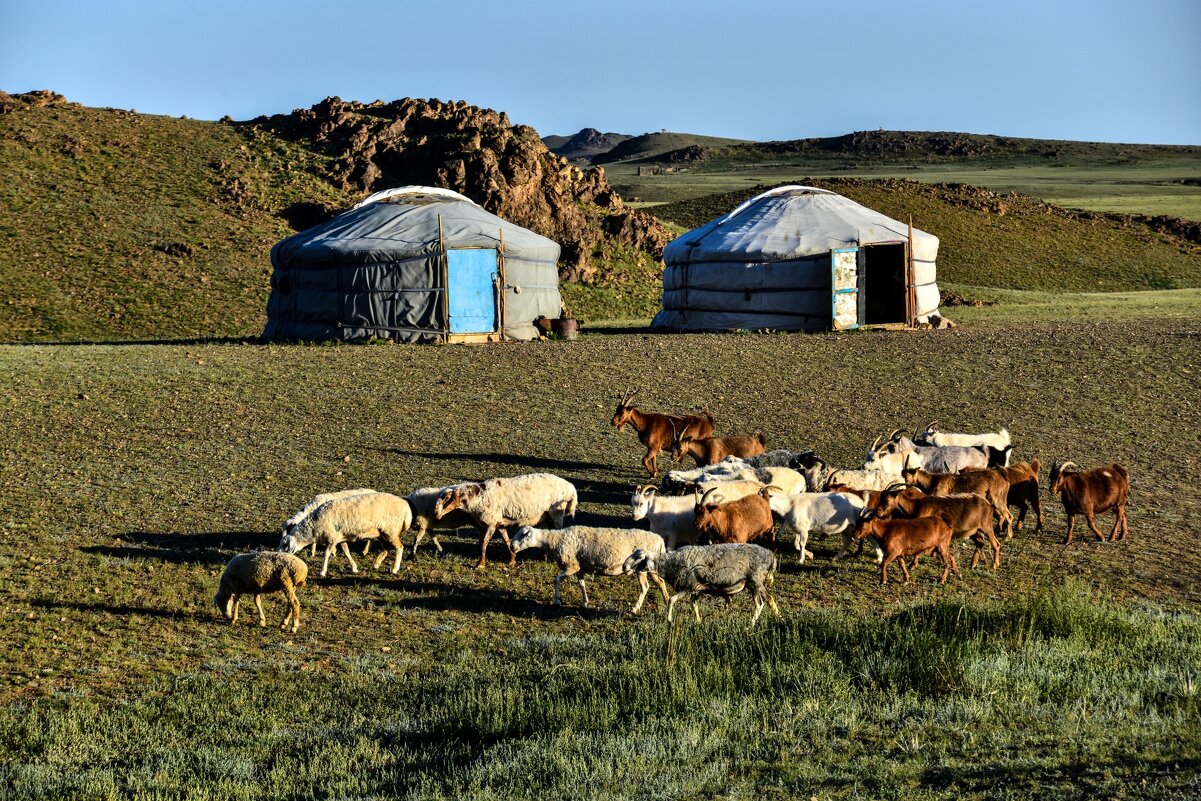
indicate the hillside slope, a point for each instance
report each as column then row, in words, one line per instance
column 651, row 145
column 584, row 144
column 117, row 225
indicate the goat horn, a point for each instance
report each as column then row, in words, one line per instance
column 896, row 485
column 875, row 442
column 649, row 489
column 1066, row 465
column 894, row 433
column 932, row 426
column 708, row 492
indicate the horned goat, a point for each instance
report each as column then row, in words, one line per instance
column 818, row 513
column 380, row 515
column 737, row 521
column 257, row 574
column 711, row 450
column 1091, row 492
column 723, row 570
column 997, row 441
column 890, row 456
column 1023, row 490
column 901, row 538
column 970, row 516
column 987, row 483
column 585, row 550
column 657, row 431
column 498, row 503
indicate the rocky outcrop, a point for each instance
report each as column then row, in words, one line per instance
column 505, row 168
column 36, row 99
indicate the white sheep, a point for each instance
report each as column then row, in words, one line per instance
column 498, row 503
column 311, row 507
column 725, row 570
column 422, row 501
column 362, row 517
column 260, row 573
column 586, row 550
column 821, row 513
column 863, row 480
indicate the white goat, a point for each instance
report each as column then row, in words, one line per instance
column 585, row 550
column 819, row 513
column 861, row 480
column 361, row 517
column 498, row 503
column 998, row 441
column 670, row 516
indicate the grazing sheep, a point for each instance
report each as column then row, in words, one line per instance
column 725, row 570
column 585, row 550
column 362, row 517
column 423, row 501
column 311, row 507
column 518, row 501
column 260, row 573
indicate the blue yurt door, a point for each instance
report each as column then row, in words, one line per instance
column 471, row 299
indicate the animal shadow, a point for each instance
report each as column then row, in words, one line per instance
column 211, row 548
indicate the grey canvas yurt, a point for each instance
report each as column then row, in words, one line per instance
column 798, row 258
column 414, row 264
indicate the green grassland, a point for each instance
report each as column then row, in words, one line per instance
column 136, row 471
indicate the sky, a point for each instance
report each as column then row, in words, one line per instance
column 756, row 69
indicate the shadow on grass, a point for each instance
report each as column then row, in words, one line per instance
column 532, row 462
column 1083, row 774
column 211, row 548
column 122, row 610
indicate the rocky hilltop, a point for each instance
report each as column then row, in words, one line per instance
column 505, row 168
column 585, row 144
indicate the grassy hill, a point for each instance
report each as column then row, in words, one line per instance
column 122, row 226
column 119, row 225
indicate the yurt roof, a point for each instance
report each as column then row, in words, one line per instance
column 410, row 221
column 793, row 222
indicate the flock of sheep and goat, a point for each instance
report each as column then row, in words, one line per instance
column 913, row 497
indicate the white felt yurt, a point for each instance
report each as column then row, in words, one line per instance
column 799, row 258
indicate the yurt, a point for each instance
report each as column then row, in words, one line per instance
column 798, row 258
column 414, row 264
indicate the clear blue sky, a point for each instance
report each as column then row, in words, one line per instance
column 755, row 69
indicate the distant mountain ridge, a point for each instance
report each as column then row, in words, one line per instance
column 584, row 144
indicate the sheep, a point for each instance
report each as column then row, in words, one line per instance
column 585, row 550
column 311, row 507
column 776, row 458
column 725, row 570
column 260, row 573
column 657, row 431
column 861, row 480
column 1101, row 489
column 361, row 517
column 422, row 501
column 901, row 538
column 711, row 450
column 823, row 513
column 680, row 482
column 497, row 503
column 737, row 521
column 997, row 441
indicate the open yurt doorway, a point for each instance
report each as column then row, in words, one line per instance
column 884, row 271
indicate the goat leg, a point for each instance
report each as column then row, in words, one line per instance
column 1090, row 518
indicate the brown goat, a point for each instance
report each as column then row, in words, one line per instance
column 901, row 538
column 970, row 516
column 741, row 521
column 711, row 450
column 1023, row 490
column 1101, row 489
column 658, row 431
column 986, row 483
